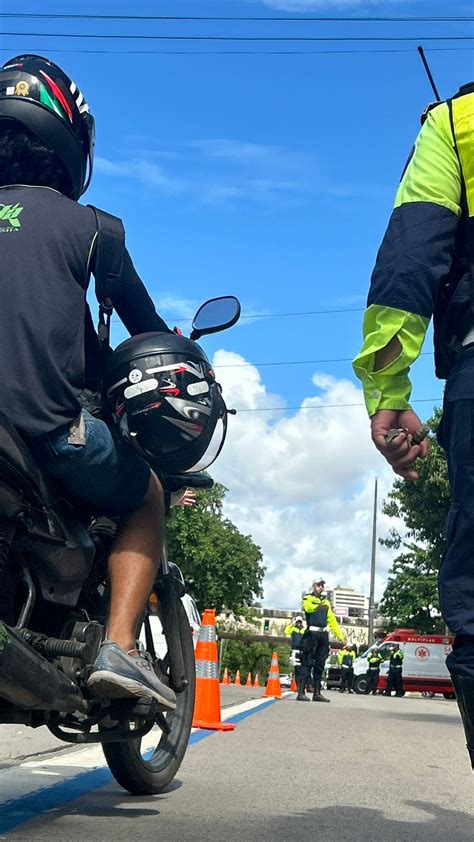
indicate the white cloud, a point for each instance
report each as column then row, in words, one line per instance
column 143, row 170
column 223, row 171
column 174, row 306
column 216, row 171
column 302, row 484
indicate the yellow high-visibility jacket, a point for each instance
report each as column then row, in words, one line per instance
column 424, row 256
column 319, row 614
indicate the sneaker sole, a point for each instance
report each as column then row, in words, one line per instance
column 112, row 686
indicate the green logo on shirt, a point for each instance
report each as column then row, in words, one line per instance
column 10, row 214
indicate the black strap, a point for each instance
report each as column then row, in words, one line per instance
column 109, row 252
column 467, row 222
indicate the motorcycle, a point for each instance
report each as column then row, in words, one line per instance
column 53, row 607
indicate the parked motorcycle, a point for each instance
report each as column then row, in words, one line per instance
column 53, row 605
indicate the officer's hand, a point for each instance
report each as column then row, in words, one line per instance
column 184, row 497
column 400, row 453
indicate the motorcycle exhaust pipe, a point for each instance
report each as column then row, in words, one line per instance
column 28, row 680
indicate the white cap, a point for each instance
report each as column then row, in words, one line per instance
column 298, row 617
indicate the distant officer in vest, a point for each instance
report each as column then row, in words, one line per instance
column 374, row 659
column 295, row 631
column 315, row 642
column 395, row 680
column 345, row 659
column 425, row 267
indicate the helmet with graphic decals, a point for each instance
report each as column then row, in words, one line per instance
column 162, row 392
column 36, row 96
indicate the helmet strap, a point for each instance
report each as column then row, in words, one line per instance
column 106, row 308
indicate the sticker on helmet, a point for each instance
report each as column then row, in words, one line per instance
column 22, row 89
column 135, row 375
column 198, row 388
column 140, row 388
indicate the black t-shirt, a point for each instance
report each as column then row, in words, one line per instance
column 46, row 252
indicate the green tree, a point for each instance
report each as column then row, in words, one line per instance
column 254, row 657
column 411, row 596
column 222, row 566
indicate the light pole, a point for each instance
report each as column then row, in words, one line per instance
column 372, row 567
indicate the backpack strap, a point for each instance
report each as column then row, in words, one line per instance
column 467, row 221
column 109, row 251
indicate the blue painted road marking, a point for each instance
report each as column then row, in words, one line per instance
column 18, row 811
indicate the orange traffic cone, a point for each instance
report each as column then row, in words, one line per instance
column 237, row 682
column 256, row 682
column 225, row 677
column 294, row 685
column 273, row 687
column 207, row 707
column 248, row 683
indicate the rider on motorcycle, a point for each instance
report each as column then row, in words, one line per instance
column 47, row 342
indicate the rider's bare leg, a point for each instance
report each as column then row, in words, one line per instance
column 133, row 563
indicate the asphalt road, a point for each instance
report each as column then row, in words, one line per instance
column 361, row 768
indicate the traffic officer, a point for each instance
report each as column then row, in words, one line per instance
column 374, row 659
column 395, row 681
column 345, row 659
column 315, row 643
column 295, row 632
column 425, row 267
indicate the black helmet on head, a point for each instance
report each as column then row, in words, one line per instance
column 37, row 96
column 162, row 392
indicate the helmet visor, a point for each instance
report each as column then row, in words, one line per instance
column 214, row 447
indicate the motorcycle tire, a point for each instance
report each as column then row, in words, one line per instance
column 152, row 772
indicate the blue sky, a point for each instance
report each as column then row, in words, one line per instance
column 267, row 176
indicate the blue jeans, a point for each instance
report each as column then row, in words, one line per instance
column 456, row 575
column 105, row 474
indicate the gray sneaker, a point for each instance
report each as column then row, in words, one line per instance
column 116, row 675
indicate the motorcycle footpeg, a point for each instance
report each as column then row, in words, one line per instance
column 121, row 709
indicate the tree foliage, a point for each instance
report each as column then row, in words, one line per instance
column 411, row 596
column 254, row 657
column 222, row 566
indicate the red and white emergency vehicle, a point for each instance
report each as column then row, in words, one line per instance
column 424, row 664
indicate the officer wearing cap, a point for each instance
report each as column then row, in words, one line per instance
column 345, row 659
column 295, row 631
column 374, row 659
column 395, row 680
column 315, row 643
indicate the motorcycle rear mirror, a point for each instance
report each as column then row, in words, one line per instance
column 215, row 315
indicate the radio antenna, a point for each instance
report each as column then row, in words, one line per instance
column 428, row 72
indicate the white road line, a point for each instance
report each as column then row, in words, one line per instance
column 41, row 773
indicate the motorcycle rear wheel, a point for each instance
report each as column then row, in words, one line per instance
column 150, row 772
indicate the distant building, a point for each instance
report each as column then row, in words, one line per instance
column 350, row 608
column 346, row 603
